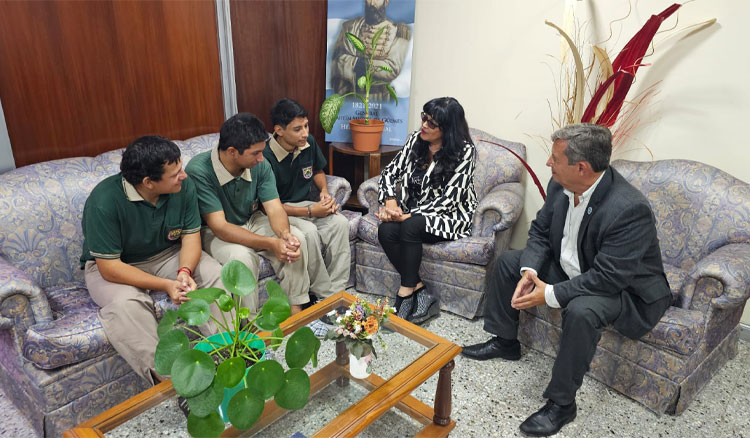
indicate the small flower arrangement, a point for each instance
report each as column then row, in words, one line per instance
column 359, row 324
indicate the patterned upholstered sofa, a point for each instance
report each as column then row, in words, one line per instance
column 455, row 270
column 703, row 223
column 56, row 364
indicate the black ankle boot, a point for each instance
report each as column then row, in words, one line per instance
column 405, row 307
column 427, row 307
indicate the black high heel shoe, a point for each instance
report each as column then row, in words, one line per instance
column 427, row 307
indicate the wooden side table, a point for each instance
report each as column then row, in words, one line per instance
column 373, row 158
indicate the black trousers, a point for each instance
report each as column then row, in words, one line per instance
column 582, row 321
column 402, row 243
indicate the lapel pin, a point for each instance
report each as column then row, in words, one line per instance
column 588, row 211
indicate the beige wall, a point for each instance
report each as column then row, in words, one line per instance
column 497, row 57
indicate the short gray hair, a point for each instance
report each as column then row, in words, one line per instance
column 586, row 142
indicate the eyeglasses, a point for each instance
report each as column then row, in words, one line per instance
column 430, row 122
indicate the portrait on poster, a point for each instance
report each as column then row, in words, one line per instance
column 345, row 64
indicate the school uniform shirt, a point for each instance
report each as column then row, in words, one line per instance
column 448, row 208
column 118, row 223
column 294, row 170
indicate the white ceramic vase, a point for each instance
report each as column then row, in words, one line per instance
column 358, row 367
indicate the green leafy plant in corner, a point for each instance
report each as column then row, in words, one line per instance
column 329, row 110
column 201, row 377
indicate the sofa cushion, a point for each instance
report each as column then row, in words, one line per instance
column 75, row 334
column 353, row 217
column 679, row 330
column 473, row 249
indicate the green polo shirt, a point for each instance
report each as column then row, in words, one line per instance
column 237, row 196
column 119, row 224
column 294, row 171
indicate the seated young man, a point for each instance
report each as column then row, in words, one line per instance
column 141, row 234
column 232, row 180
column 298, row 163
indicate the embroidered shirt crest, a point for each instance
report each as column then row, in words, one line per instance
column 174, row 234
column 307, row 172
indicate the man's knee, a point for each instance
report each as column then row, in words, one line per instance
column 507, row 263
column 581, row 311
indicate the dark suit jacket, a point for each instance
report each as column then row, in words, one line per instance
column 618, row 251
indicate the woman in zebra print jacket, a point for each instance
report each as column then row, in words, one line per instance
column 427, row 196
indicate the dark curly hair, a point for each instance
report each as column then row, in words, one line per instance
column 451, row 120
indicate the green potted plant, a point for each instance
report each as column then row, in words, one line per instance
column 229, row 369
column 372, row 129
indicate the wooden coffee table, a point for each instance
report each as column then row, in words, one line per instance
column 380, row 396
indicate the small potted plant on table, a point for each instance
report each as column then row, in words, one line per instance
column 366, row 133
column 230, row 370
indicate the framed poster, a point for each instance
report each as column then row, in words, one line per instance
column 345, row 65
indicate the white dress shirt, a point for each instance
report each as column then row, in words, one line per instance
column 569, row 244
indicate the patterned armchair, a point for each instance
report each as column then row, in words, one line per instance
column 703, row 223
column 454, row 270
column 56, row 363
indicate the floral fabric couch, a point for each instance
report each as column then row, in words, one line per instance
column 56, row 363
column 703, row 223
column 455, row 270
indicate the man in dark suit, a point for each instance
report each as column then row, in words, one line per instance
column 592, row 251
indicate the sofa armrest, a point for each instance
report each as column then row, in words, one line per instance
column 367, row 194
column 338, row 187
column 499, row 209
column 730, row 265
column 22, row 302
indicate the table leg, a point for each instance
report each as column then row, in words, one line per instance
column 342, row 358
column 442, row 406
column 374, row 165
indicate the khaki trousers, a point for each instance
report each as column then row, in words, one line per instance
column 127, row 313
column 327, row 237
column 292, row 277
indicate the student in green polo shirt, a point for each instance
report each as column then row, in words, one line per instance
column 233, row 181
column 141, row 234
column 298, row 163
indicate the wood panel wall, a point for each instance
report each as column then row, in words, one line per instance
column 83, row 77
column 280, row 51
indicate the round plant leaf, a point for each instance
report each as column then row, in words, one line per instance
column 194, row 312
column 362, row 82
column 192, row 372
column 166, row 323
column 230, row 372
column 244, row 313
column 237, row 278
column 207, row 401
column 226, row 303
column 208, row 294
column 295, row 391
column 209, row 426
column 266, row 377
column 275, row 291
column 169, row 347
column 244, row 409
column 300, row 347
